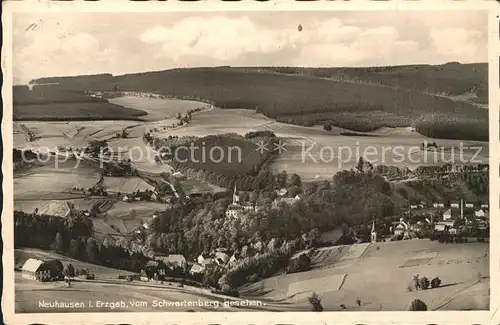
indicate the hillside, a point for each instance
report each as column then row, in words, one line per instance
column 451, row 78
column 378, row 274
column 57, row 102
column 285, row 96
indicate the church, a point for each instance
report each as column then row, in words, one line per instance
column 236, row 209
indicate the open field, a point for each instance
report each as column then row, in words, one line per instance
column 55, row 180
column 123, row 218
column 378, row 280
column 192, row 185
column 157, row 108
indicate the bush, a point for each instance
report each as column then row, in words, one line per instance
column 418, row 305
column 302, row 263
column 416, row 282
column 424, row 283
column 315, row 302
column 253, row 278
column 436, row 282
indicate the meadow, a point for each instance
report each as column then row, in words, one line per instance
column 376, row 277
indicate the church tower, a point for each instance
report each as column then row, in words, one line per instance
column 236, row 197
column 374, row 232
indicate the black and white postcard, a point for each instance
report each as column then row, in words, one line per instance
column 297, row 163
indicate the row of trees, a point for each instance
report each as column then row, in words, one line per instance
column 74, row 236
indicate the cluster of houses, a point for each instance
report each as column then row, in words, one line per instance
column 219, row 257
column 204, row 262
column 237, row 208
column 407, row 229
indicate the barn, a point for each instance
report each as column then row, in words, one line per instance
column 35, row 269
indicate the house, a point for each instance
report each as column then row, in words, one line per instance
column 435, row 205
column 282, row 192
column 208, row 264
column 482, row 225
column 221, row 258
column 439, row 227
column 196, row 269
column 447, row 214
column 414, row 206
column 484, row 206
column 176, row 260
column 149, row 270
column 469, row 205
column 455, row 205
column 480, row 213
column 202, row 257
column 233, row 260
column 401, row 227
column 440, row 205
column 35, row 269
column 444, row 225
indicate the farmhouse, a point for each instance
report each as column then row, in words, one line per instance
column 35, row 269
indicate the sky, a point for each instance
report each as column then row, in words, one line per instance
column 61, row 44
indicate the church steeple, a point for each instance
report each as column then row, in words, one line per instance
column 374, row 231
column 236, row 197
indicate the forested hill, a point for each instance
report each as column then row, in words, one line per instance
column 407, row 94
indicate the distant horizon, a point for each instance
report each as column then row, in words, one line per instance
column 72, row 44
column 238, row 66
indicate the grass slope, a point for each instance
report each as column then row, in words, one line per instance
column 378, row 279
